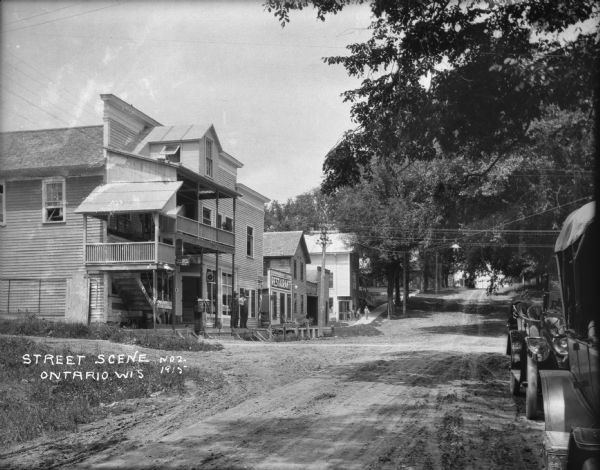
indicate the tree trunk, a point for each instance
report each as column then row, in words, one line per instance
column 406, row 269
column 397, row 284
column 425, row 281
column 390, row 290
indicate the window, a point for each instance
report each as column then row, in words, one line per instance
column 301, row 304
column 250, row 241
column 295, row 302
column 2, row 203
column 295, row 269
column 54, row 200
column 209, row 158
column 331, row 280
column 252, row 303
column 171, row 152
column 289, row 306
column 301, row 271
column 225, row 225
column 206, row 216
column 227, row 293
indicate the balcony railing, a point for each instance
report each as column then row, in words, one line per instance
column 200, row 230
column 131, row 252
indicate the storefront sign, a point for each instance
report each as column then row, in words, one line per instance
column 164, row 304
column 183, row 261
column 280, row 282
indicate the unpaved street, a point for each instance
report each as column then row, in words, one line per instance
column 430, row 393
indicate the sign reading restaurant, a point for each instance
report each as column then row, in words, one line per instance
column 280, row 282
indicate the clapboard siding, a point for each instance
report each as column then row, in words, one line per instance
column 97, row 298
column 226, row 178
column 31, row 249
column 120, row 135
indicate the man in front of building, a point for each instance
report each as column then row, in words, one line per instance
column 243, row 311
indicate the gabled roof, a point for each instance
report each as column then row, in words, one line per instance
column 284, row 244
column 340, row 242
column 47, row 152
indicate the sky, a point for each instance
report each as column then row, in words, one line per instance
column 275, row 105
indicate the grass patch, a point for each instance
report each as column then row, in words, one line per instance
column 154, row 339
column 31, row 405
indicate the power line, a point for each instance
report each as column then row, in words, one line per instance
column 41, row 14
column 61, row 18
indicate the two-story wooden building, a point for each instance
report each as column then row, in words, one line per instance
column 285, row 259
column 129, row 221
column 342, row 261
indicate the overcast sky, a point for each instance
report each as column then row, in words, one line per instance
column 274, row 103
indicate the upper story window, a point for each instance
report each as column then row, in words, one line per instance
column 227, row 224
column 171, row 153
column 2, row 203
column 331, row 280
column 209, row 157
column 54, row 200
column 250, row 241
column 295, row 269
column 301, row 271
column 206, row 216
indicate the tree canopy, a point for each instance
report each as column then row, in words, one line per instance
column 471, row 115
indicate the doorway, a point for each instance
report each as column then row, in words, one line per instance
column 191, row 292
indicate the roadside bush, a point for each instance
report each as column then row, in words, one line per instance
column 357, row 330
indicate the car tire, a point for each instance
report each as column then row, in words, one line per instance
column 532, row 389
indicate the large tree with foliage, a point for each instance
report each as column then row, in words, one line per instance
column 495, row 95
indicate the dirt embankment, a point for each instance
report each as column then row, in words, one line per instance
column 430, row 392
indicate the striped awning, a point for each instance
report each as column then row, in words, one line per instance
column 154, row 196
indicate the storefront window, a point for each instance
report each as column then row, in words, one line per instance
column 211, row 283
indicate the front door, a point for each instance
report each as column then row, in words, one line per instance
column 191, row 292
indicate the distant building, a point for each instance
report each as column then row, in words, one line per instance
column 286, row 253
column 314, row 292
column 342, row 261
column 130, row 221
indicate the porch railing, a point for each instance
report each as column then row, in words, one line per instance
column 200, row 230
column 130, row 252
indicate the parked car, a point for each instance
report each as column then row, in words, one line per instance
column 536, row 341
column 572, row 396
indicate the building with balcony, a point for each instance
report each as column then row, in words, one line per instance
column 131, row 221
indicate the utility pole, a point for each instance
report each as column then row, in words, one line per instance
column 323, row 241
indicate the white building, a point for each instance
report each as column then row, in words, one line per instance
column 342, row 261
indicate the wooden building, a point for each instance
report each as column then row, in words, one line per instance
column 286, row 252
column 342, row 261
column 131, row 221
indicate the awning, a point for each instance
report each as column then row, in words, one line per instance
column 574, row 226
column 155, row 196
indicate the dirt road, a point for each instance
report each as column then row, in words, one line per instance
column 431, row 392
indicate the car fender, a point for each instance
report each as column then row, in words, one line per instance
column 564, row 405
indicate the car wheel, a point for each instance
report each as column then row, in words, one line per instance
column 532, row 389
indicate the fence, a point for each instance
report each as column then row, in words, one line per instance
column 43, row 297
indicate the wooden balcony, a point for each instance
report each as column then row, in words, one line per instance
column 128, row 253
column 206, row 232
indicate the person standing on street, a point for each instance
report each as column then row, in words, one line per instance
column 367, row 312
column 243, row 311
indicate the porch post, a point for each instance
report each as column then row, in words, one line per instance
column 156, row 233
column 233, row 254
column 217, row 285
column 154, row 297
column 84, row 238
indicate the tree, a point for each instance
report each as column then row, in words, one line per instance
column 307, row 212
column 481, row 91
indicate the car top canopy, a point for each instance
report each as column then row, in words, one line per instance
column 574, row 226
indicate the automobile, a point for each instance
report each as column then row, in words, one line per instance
column 536, row 341
column 571, row 397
